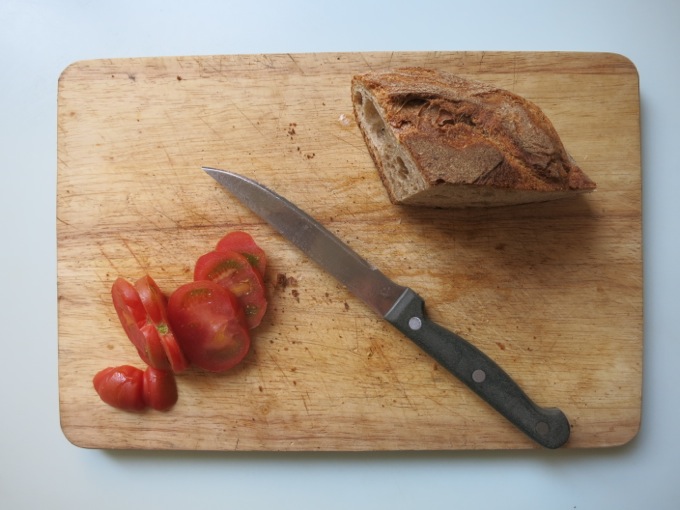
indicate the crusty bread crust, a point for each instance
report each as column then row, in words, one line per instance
column 441, row 140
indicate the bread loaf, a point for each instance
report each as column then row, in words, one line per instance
column 444, row 141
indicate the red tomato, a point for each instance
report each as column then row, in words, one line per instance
column 232, row 271
column 121, row 387
column 243, row 243
column 160, row 389
column 209, row 325
column 155, row 305
column 133, row 316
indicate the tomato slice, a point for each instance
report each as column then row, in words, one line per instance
column 209, row 325
column 155, row 305
column 232, row 271
column 243, row 243
column 160, row 389
column 133, row 317
column 121, row 387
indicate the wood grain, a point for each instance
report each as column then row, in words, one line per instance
column 553, row 291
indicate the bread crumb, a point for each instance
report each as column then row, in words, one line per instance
column 344, row 120
column 283, row 281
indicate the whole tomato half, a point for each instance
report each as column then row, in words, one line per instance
column 209, row 325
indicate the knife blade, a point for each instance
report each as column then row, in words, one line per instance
column 402, row 307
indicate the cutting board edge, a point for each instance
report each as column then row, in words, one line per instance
column 69, row 434
column 617, row 59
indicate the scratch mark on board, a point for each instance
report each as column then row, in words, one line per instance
column 63, row 222
column 304, row 401
column 255, row 126
column 283, row 372
column 101, row 250
column 377, row 348
column 132, row 252
column 356, row 146
column 363, row 57
column 210, row 127
column 168, row 157
column 297, row 64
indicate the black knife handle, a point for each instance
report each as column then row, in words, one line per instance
column 549, row 427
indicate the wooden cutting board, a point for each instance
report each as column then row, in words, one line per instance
column 553, row 292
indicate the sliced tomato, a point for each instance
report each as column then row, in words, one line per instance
column 133, row 317
column 232, row 271
column 155, row 305
column 121, row 387
column 243, row 243
column 209, row 325
column 160, row 389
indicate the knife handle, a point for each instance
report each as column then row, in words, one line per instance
column 549, row 427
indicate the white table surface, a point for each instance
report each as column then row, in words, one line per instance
column 39, row 468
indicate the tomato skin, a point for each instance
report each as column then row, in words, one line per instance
column 232, row 271
column 121, row 387
column 160, row 389
column 209, row 325
column 243, row 243
column 133, row 317
column 155, row 305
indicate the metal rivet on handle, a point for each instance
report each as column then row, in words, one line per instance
column 542, row 428
column 415, row 323
column 478, row 375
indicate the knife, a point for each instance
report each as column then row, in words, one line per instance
column 403, row 308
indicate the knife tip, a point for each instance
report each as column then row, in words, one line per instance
column 215, row 171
